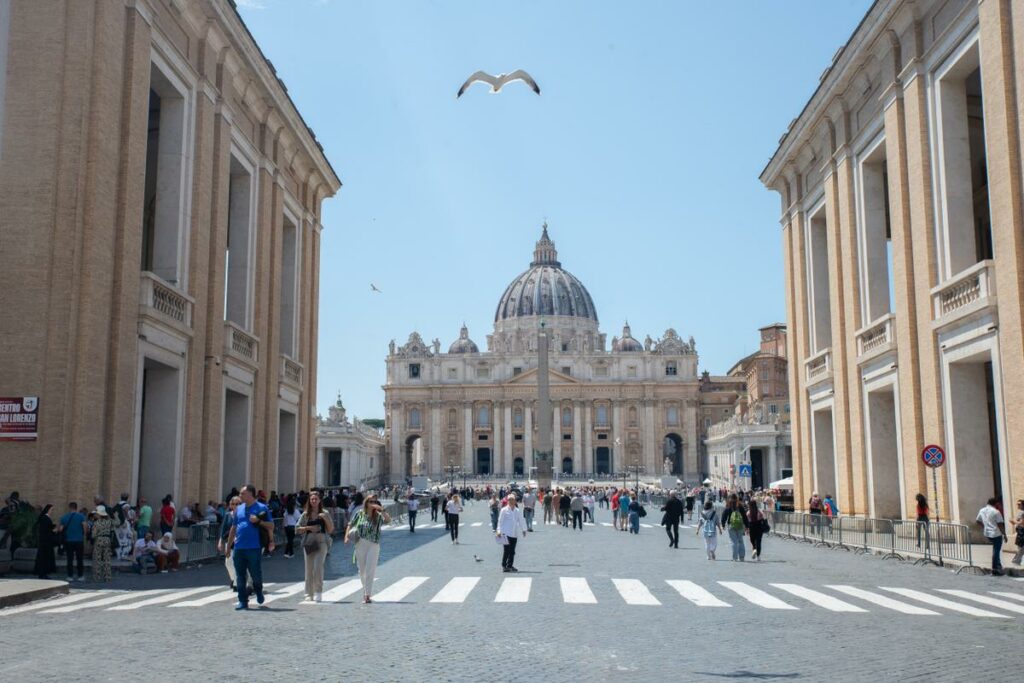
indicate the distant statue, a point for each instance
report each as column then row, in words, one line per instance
column 667, row 466
column 437, row 346
column 615, row 341
column 693, row 345
column 648, row 343
column 391, row 347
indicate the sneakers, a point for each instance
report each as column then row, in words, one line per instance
column 240, row 606
column 513, row 570
column 506, row 570
column 318, row 597
column 260, row 599
column 753, row 555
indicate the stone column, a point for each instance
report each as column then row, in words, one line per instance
column 320, row 474
column 588, row 434
column 578, row 464
column 544, row 446
column 528, row 435
column 651, row 451
column 434, row 461
column 508, row 439
column 773, row 466
column 497, row 452
column 467, row 439
column 617, row 432
column 556, row 438
column 398, row 472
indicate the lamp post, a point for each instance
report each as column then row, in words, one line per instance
column 452, row 469
column 615, row 452
column 635, row 467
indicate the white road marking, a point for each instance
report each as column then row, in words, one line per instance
column 399, row 589
column 883, row 601
column 985, row 600
column 818, row 598
column 647, row 526
column 216, row 597
column 514, row 590
column 456, row 590
column 285, row 592
column 102, row 602
column 1014, row 596
column 695, row 594
column 756, row 595
column 56, row 602
column 477, row 524
column 942, row 602
column 605, row 524
column 576, row 591
column 634, row 592
column 342, row 590
column 161, row 599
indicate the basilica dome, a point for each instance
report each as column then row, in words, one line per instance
column 545, row 289
column 627, row 344
column 463, row 344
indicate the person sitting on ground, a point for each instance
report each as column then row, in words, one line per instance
column 167, row 554
column 144, row 554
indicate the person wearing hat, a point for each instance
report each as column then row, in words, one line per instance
column 102, row 531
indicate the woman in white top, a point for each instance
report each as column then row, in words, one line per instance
column 454, row 507
column 291, row 518
column 317, row 527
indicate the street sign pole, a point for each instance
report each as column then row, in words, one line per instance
column 934, row 457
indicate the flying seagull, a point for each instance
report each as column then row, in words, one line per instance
column 497, row 82
column 373, row 288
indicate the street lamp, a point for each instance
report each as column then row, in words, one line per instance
column 615, row 453
column 452, row 469
column 635, row 467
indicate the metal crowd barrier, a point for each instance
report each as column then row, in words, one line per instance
column 202, row 541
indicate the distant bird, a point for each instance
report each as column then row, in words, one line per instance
column 373, row 288
column 478, row 559
column 497, row 82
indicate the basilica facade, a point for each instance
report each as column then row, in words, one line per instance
column 616, row 406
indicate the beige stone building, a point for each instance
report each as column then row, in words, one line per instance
column 160, row 198
column 348, row 451
column 637, row 403
column 903, row 235
column 757, row 433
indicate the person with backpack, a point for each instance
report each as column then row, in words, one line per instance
column 707, row 527
column 757, row 526
column 734, row 518
column 636, row 511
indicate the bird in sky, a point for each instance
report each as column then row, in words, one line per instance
column 373, row 288
column 497, row 82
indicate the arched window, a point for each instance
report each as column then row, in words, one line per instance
column 567, row 417
column 414, row 418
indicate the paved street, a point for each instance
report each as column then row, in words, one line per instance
column 596, row 602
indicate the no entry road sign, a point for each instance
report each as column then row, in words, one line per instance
column 933, row 456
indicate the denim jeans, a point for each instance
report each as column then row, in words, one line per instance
column 494, row 520
column 74, row 551
column 634, row 522
column 738, row 547
column 997, row 547
column 412, row 520
column 528, row 514
column 247, row 560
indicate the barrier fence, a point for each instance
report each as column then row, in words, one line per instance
column 923, row 542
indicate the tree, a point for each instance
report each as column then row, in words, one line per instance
column 375, row 422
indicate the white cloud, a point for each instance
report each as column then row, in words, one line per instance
column 250, row 4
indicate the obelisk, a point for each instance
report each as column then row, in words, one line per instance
column 542, row 453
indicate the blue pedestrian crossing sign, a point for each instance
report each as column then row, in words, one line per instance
column 746, row 470
column 933, row 456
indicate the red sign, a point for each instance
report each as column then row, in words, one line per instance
column 933, row 456
column 19, row 418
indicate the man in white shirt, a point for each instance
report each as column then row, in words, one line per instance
column 145, row 549
column 511, row 527
column 995, row 531
column 529, row 502
column 414, row 506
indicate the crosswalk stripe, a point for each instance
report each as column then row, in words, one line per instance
column 646, row 526
column 756, row 595
column 1014, row 596
column 401, row 588
column 883, row 600
column 285, row 592
column 634, row 592
column 942, row 602
column 695, row 594
column 102, row 602
column 605, row 524
column 216, row 597
column 56, row 602
column 514, row 590
column 576, row 591
column 342, row 591
column 161, row 599
column 818, row 598
column 985, row 600
column 477, row 524
column 456, row 590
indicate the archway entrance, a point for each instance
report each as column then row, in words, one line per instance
column 566, row 465
column 603, row 460
column 415, row 464
column 673, row 452
column 517, row 467
column 483, row 461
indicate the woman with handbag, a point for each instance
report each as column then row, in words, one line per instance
column 316, row 526
column 756, row 526
column 103, row 540
column 364, row 530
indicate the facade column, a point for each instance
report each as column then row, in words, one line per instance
column 319, row 478
column 588, row 435
column 508, row 440
column 556, row 437
column 434, row 461
column 467, row 439
column 577, row 431
column 649, row 448
column 773, row 466
column 527, row 436
column 398, row 472
column 497, row 452
column 617, row 432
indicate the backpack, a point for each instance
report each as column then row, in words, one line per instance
column 735, row 520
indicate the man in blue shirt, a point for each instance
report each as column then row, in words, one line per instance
column 72, row 525
column 244, row 544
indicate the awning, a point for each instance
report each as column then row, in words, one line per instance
column 708, row 481
column 786, row 483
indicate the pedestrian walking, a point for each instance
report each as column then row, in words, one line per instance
column 454, row 507
column 167, row 514
column 364, row 531
column 529, row 502
column 922, row 520
column 413, row 504
column 245, row 544
column 636, row 509
column 511, row 528
column 549, row 501
column 495, row 508
column 290, row 520
column 444, row 510
column 995, row 531
column 73, row 528
column 576, row 507
column 1018, row 524
column 102, row 535
column 673, row 509
column 734, row 519
column 434, row 501
column 624, row 501
column 225, row 529
column 46, row 541
column 615, row 508
column 708, row 528
column 316, row 527
column 757, row 526
column 814, row 507
column 564, row 508
column 689, row 506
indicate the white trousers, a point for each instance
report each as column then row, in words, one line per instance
column 230, row 565
column 367, row 554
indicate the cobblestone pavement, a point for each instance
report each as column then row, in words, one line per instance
column 596, row 604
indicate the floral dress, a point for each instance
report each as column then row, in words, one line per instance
column 101, row 530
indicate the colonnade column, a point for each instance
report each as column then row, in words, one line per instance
column 577, row 445
column 319, row 474
column 397, row 462
column 497, row 461
column 617, row 432
column 556, row 437
column 467, row 438
column 588, row 434
column 434, row 461
column 528, row 436
column 649, row 452
column 508, row 440
column 773, row 466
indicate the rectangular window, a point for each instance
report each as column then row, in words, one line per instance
column 631, row 371
column 517, row 419
column 670, row 368
column 566, row 437
column 414, row 370
column 414, row 418
column 516, row 372
column 566, row 370
column 602, row 437
column 566, row 417
column 289, row 286
column 565, row 347
column 453, row 373
column 602, row 416
column 483, row 416
column 483, row 437
column 819, row 298
column 773, row 409
column 875, row 235
column 483, row 373
column 601, row 371
column 236, row 255
column 517, row 437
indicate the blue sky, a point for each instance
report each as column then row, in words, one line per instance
column 642, row 153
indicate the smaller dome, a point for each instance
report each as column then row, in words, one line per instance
column 627, row 344
column 463, row 344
